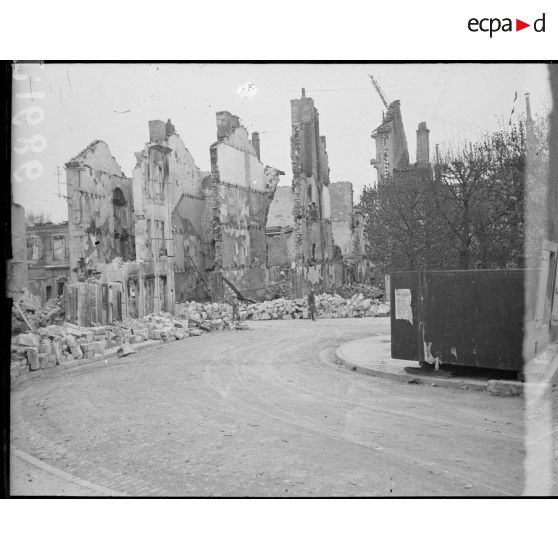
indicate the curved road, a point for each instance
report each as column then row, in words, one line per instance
column 265, row 412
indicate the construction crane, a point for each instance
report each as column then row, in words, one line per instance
column 379, row 90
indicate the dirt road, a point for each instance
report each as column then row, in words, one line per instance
column 266, row 412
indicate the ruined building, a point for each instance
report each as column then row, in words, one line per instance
column 280, row 228
column 392, row 156
column 342, row 216
column 100, row 215
column 391, row 143
column 299, row 227
column 175, row 233
column 313, row 238
column 172, row 212
column 242, row 188
column 48, row 260
column 101, row 236
column 240, row 198
column 347, row 224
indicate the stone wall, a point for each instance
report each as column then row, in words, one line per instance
column 280, row 228
column 240, row 197
column 173, row 200
column 146, row 286
column 313, row 240
column 100, row 213
column 342, row 215
column 321, row 277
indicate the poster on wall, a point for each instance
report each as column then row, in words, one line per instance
column 403, row 310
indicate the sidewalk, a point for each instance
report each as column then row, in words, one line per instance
column 371, row 356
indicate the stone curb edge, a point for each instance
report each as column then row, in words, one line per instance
column 63, row 475
column 413, row 378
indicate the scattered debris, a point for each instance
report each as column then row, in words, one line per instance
column 209, row 316
column 45, row 340
column 28, row 315
column 63, row 342
column 327, row 306
column 368, row 291
column 125, row 350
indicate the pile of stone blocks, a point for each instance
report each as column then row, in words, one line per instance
column 327, row 306
column 50, row 346
column 209, row 316
column 57, row 344
column 52, row 312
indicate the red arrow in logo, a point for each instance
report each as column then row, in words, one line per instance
column 519, row 25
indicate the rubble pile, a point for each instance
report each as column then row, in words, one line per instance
column 52, row 312
column 52, row 345
column 369, row 291
column 327, row 306
column 208, row 316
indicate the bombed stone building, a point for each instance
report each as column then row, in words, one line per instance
column 241, row 194
column 172, row 215
column 392, row 154
column 347, row 224
column 101, row 236
column 173, row 232
column 342, row 216
column 309, row 159
column 280, row 228
column 48, row 263
column 100, row 214
column 300, row 227
column 391, row 143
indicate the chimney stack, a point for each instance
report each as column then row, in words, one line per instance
column 423, row 144
column 256, row 144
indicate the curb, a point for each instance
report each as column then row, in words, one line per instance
column 497, row 387
column 65, row 476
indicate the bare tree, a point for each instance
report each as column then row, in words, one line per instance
column 402, row 231
column 479, row 194
column 468, row 213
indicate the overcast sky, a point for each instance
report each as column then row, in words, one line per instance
column 113, row 102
